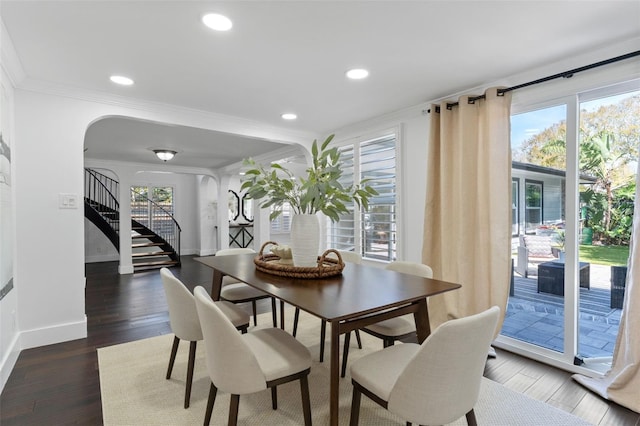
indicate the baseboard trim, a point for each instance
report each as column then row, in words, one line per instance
column 9, row 361
column 55, row 334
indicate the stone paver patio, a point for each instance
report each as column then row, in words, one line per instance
column 538, row 318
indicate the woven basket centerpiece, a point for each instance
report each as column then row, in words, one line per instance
column 272, row 263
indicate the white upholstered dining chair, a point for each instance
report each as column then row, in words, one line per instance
column 235, row 291
column 394, row 328
column 186, row 326
column 430, row 384
column 247, row 363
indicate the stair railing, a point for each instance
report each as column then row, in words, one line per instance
column 159, row 220
column 103, row 191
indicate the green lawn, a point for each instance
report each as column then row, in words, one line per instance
column 604, row 255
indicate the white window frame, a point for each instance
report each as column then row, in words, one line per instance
column 358, row 226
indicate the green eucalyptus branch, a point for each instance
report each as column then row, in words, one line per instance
column 319, row 191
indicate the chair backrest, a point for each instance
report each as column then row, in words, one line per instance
column 228, row 251
column 538, row 245
column 442, row 381
column 231, row 365
column 182, row 314
column 412, row 268
column 348, row 256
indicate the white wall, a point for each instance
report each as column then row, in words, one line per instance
column 49, row 137
column 208, row 208
column 9, row 347
column 97, row 247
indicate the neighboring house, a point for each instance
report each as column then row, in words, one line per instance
column 538, row 195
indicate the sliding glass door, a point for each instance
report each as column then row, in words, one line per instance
column 535, row 314
column 608, row 152
column 575, row 163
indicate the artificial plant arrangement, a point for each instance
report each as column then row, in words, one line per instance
column 319, row 191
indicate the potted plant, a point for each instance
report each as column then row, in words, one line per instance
column 319, row 191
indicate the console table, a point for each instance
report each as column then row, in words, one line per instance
column 240, row 235
column 551, row 277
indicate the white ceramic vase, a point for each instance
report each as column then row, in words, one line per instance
column 305, row 239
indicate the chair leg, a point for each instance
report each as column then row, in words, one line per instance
column 296, row 317
column 358, row 339
column 471, row 418
column 282, row 315
column 274, row 397
column 345, row 353
column 233, row 410
column 255, row 312
column 192, row 361
column 355, row 407
column 306, row 401
column 213, row 390
column 172, row 358
column 274, row 312
column 323, row 332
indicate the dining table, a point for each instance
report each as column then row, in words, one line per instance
column 360, row 295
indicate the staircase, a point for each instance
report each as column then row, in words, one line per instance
column 155, row 238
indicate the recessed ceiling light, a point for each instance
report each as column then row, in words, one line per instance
column 289, row 116
column 120, row 79
column 357, row 73
column 217, row 22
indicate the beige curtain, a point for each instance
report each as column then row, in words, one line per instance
column 467, row 228
column 622, row 383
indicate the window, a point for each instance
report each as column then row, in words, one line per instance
column 533, row 205
column 370, row 233
column 153, row 207
column 282, row 224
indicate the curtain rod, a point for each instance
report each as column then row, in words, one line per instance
column 565, row 74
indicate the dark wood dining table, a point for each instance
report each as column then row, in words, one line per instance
column 360, row 296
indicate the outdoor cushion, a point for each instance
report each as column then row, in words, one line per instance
column 539, row 245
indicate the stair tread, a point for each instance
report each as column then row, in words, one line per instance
column 156, row 263
column 143, row 236
column 152, row 253
column 145, row 245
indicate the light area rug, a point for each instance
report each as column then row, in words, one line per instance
column 135, row 391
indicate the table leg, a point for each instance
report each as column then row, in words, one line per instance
column 421, row 317
column 216, row 285
column 334, row 392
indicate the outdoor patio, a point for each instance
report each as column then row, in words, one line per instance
column 538, row 317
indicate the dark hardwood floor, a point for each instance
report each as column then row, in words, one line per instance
column 59, row 384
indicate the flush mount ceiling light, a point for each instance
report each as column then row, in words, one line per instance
column 217, row 22
column 289, row 116
column 357, row 73
column 120, row 79
column 164, row 154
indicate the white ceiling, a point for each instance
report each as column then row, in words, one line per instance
column 291, row 56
